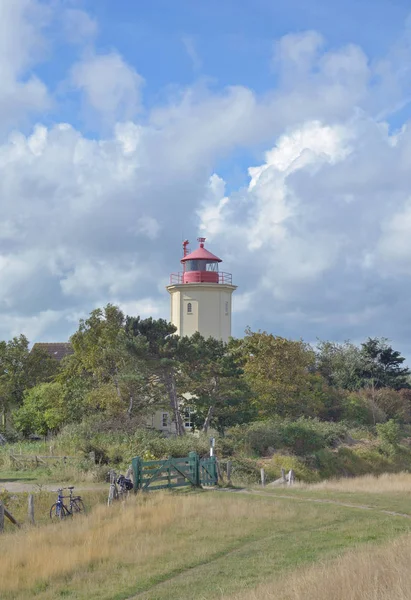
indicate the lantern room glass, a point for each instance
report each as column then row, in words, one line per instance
column 201, row 265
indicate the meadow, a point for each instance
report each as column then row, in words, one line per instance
column 338, row 539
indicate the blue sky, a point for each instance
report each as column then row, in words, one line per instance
column 278, row 130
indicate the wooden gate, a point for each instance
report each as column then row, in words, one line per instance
column 174, row 472
column 208, row 471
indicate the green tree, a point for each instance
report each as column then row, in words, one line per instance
column 341, row 365
column 218, row 393
column 111, row 364
column 162, row 357
column 21, row 370
column 43, row 409
column 281, row 374
column 382, row 366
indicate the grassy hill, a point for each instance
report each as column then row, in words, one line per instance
column 220, row 544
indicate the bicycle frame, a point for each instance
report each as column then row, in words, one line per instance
column 62, row 510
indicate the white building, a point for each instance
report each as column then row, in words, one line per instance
column 201, row 295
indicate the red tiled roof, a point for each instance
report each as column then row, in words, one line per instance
column 57, row 350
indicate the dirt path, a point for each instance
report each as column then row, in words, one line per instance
column 18, row 486
column 317, row 501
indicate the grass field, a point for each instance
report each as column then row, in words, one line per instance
column 234, row 546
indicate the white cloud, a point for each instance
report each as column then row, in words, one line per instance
column 90, row 278
column 79, row 27
column 190, row 48
column 318, row 241
column 22, row 44
column 110, row 86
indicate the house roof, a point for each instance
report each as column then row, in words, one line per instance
column 57, row 350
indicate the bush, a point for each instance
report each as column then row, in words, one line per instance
column 301, row 469
column 361, row 409
column 245, row 471
column 118, row 447
column 300, row 437
column 389, row 432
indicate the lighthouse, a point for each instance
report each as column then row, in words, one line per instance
column 201, row 295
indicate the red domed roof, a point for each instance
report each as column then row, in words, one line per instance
column 201, row 254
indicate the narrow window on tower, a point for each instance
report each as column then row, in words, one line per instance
column 189, row 307
column 164, row 420
column 226, row 308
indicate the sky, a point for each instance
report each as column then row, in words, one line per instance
column 280, row 131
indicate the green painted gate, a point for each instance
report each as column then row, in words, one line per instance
column 208, row 471
column 174, row 472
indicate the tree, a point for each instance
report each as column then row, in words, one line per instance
column 281, row 374
column 21, row 370
column 212, row 383
column 341, row 365
column 111, row 363
column 43, row 409
column 162, row 356
column 382, row 366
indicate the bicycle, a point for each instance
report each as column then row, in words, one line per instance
column 124, row 486
column 60, row 511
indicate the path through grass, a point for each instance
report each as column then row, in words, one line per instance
column 183, row 546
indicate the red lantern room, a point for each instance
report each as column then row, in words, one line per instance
column 200, row 266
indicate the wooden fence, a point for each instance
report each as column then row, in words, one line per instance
column 174, row 472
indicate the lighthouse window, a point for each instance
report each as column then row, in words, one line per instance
column 200, row 264
column 196, row 265
column 189, row 307
column 226, row 308
column 212, row 266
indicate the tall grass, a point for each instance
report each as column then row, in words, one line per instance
column 373, row 484
column 149, row 533
column 372, row 574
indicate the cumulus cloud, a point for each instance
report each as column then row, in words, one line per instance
column 79, row 27
column 22, row 44
column 327, row 223
column 318, row 239
column 111, row 87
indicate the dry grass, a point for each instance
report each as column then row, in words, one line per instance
column 374, row 484
column 137, row 533
column 202, row 545
column 372, row 574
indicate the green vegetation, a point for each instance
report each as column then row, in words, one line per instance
column 334, row 410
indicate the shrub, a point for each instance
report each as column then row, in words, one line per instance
column 361, row 409
column 245, row 470
column 301, row 437
column 389, row 432
column 301, row 469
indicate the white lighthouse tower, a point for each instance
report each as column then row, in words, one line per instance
column 201, row 296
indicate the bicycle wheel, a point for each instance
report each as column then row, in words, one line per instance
column 58, row 512
column 77, row 505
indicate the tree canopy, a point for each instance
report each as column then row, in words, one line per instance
column 127, row 367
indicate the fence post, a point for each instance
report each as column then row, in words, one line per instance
column 136, row 466
column 291, row 477
column 194, row 467
column 214, row 469
column 219, row 474
column 283, row 475
column 229, row 467
column 212, row 444
column 263, row 477
column 31, row 509
column 1, row 517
